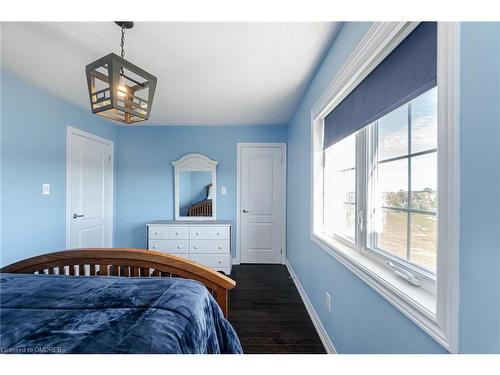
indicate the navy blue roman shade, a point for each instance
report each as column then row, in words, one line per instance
column 408, row 71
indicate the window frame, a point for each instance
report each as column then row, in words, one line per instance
column 427, row 277
column 436, row 313
column 372, row 139
column 364, row 236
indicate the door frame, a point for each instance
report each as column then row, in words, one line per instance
column 70, row 130
column 283, row 148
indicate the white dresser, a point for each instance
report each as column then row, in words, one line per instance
column 205, row 242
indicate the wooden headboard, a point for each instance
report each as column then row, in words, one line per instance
column 126, row 263
column 203, row 208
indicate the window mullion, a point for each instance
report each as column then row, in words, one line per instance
column 408, row 220
column 361, row 222
column 373, row 171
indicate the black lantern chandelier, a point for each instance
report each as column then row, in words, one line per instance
column 118, row 89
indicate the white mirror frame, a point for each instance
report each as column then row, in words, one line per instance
column 195, row 162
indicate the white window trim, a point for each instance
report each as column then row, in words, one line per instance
column 381, row 39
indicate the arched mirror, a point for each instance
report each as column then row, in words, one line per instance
column 195, row 188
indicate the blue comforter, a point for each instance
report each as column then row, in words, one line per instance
column 62, row 314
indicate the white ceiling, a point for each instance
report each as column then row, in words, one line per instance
column 208, row 73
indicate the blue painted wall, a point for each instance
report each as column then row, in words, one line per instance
column 145, row 175
column 480, row 188
column 33, row 152
column 362, row 321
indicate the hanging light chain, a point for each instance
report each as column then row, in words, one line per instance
column 122, row 43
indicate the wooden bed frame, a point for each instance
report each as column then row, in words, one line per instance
column 125, row 262
column 203, row 208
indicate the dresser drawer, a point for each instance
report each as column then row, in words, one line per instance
column 158, row 233
column 169, row 246
column 199, row 233
column 208, row 247
column 178, row 233
column 219, row 233
column 211, row 260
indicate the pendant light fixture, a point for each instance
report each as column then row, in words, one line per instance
column 118, row 89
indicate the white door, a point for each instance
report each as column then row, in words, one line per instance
column 262, row 192
column 89, row 191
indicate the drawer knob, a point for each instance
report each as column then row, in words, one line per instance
column 155, row 247
column 176, row 233
column 220, row 247
column 197, row 233
column 217, row 233
column 196, row 247
column 157, row 233
column 220, row 261
column 179, row 247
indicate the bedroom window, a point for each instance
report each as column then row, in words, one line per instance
column 384, row 150
column 402, row 203
column 380, row 191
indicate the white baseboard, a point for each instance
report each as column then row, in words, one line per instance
column 325, row 339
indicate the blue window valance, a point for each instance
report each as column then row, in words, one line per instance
column 408, row 71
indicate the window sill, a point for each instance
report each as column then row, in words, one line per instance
column 416, row 304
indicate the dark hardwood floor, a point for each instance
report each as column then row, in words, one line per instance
column 267, row 312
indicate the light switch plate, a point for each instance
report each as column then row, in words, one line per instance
column 45, row 189
column 223, row 190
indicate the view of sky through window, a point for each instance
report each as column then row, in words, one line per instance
column 405, row 220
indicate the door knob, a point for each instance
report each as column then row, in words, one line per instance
column 245, row 211
column 77, row 216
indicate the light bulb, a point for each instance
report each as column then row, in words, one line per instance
column 122, row 88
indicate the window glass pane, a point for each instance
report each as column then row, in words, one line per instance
column 424, row 182
column 393, row 134
column 391, row 181
column 424, row 122
column 391, row 228
column 348, row 221
column 349, row 189
column 392, row 184
column 423, row 241
column 340, row 188
column 347, row 153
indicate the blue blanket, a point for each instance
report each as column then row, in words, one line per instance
column 62, row 314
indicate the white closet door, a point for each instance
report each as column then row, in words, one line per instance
column 89, row 191
column 262, row 189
